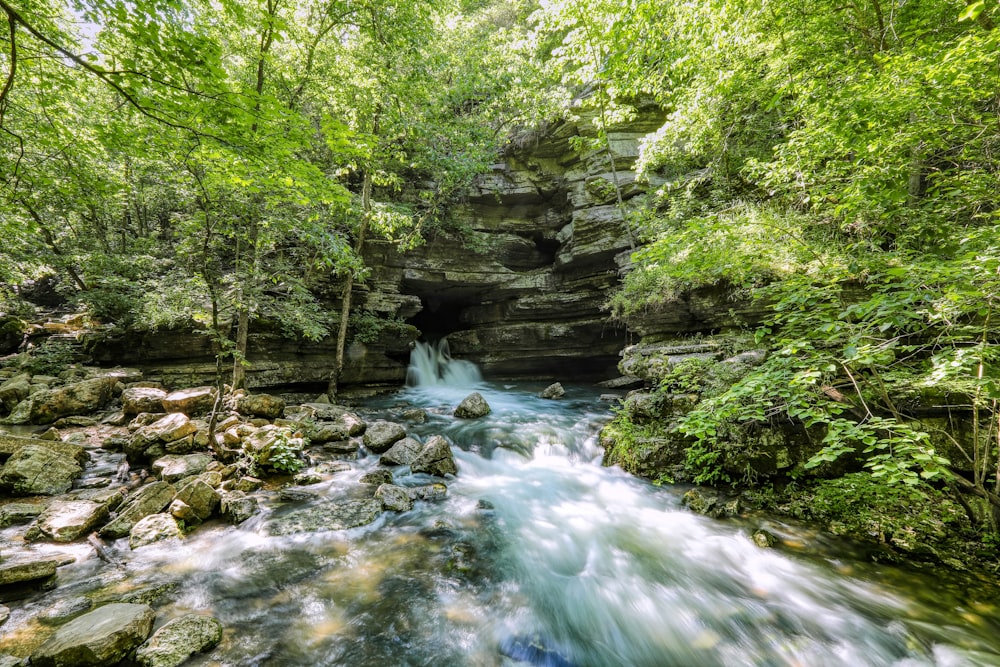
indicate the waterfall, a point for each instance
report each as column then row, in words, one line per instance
column 431, row 365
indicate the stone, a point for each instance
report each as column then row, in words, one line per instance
column 473, row 406
column 322, row 432
column 182, row 446
column 11, row 333
column 4, row 615
column 377, row 477
column 327, row 516
column 763, row 538
column 175, row 467
column 35, row 470
column 271, row 446
column 260, row 405
column 237, row 506
column 381, row 435
column 553, row 391
column 69, row 520
column 197, row 400
column 178, row 640
column 152, row 529
column 394, row 498
column 402, row 453
column 333, row 468
column 200, row 497
column 181, row 511
column 23, row 570
column 147, row 500
column 15, row 390
column 136, row 400
column 104, row 636
column 174, row 426
column 81, row 398
column 415, row 415
column 13, row 514
column 435, row 458
column 11, row 444
column 307, row 478
column 51, row 434
column 428, row 491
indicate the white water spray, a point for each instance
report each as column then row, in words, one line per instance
column 431, row 365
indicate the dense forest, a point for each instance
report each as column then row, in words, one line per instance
column 838, row 162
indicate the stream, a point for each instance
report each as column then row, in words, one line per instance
column 538, row 555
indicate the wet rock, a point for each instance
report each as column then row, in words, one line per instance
column 260, row 405
column 711, row 503
column 394, row 498
column 149, row 499
column 333, row 468
column 402, row 453
column 198, row 400
column 136, row 400
column 172, row 427
column 178, row 640
column 35, row 470
column 181, row 511
column 69, row 520
column 182, row 446
column 237, row 507
column 381, row 435
column 22, row 570
column 152, row 529
column 554, row 390
column 764, row 539
column 307, row 478
column 4, row 615
column 415, row 415
column 102, row 637
column 323, row 432
column 13, row 514
column 200, row 497
column 65, row 610
column 80, row 398
column 377, row 477
column 435, row 458
column 172, row 468
column 246, row 484
column 473, row 406
column 428, row 491
column 327, row 516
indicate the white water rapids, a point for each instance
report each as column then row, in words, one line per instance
column 540, row 556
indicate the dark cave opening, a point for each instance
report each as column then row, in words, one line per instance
column 438, row 318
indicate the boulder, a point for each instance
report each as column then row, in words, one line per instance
column 201, row 498
column 178, row 640
column 473, row 406
column 68, row 520
column 237, row 506
column 274, row 447
column 136, row 400
column 174, row 467
column 428, row 491
column 198, row 400
column 11, row 333
column 22, row 570
column 81, row 398
column 11, row 444
column 13, row 514
column 377, row 477
column 149, row 499
column 104, row 636
column 38, row 470
column 15, row 390
column 152, row 529
column 554, row 390
column 394, row 498
column 381, row 435
column 174, row 426
column 327, row 516
column 435, row 458
column 260, row 405
column 4, row 615
column 402, row 453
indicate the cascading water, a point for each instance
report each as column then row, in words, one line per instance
column 540, row 556
column 431, row 365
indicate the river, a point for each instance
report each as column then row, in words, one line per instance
column 539, row 555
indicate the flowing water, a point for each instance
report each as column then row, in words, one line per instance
column 538, row 555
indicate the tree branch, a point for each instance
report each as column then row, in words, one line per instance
column 13, row 66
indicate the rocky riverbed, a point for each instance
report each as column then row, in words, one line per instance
column 104, row 463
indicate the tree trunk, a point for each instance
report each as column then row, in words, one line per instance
column 242, row 329
column 345, row 308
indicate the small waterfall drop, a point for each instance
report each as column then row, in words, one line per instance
column 431, row 365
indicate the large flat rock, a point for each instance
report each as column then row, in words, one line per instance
column 102, row 637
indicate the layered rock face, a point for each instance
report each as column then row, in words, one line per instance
column 523, row 298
